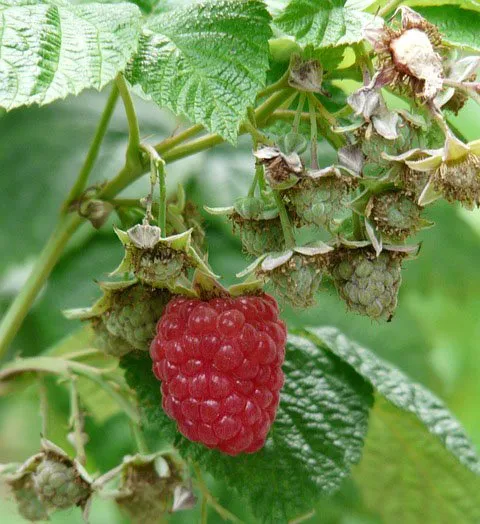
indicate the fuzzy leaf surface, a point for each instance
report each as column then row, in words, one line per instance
column 459, row 27
column 323, row 24
column 403, row 393
column 50, row 49
column 407, row 476
column 206, row 61
column 316, row 438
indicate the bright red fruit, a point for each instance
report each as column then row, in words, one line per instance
column 220, row 366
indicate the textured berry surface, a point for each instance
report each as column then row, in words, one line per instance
column 134, row 313
column 319, row 202
column 59, row 485
column 28, row 504
column 260, row 236
column 220, row 366
column 368, row 284
column 297, row 281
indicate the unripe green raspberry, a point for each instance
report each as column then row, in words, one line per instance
column 259, row 236
column 133, row 315
column 412, row 182
column 395, row 215
column 58, row 484
column 460, row 180
column 368, row 284
column 29, row 505
column 297, row 281
column 157, row 264
column 107, row 342
column 319, row 201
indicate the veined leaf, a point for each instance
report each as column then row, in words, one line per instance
column 326, row 23
column 459, row 27
column 403, row 393
column 316, row 438
column 50, row 49
column 407, row 476
column 206, row 61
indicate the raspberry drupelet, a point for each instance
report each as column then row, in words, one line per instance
column 220, row 366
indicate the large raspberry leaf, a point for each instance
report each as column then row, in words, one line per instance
column 417, row 462
column 406, row 471
column 206, row 61
column 316, row 438
column 324, row 24
column 50, row 48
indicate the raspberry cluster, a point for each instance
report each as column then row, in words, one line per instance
column 220, row 366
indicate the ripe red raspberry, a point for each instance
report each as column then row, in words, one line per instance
column 220, row 366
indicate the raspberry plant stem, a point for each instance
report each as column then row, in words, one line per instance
column 92, row 155
column 298, row 114
column 133, row 151
column 285, row 221
column 138, row 438
column 68, row 224
column 281, row 83
column 389, row 7
column 43, row 398
column 313, row 131
column 76, row 422
column 223, row 512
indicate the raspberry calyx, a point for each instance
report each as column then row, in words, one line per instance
column 220, row 361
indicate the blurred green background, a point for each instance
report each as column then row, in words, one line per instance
column 433, row 337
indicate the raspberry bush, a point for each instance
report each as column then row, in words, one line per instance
column 326, row 139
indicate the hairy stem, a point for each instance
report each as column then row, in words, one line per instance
column 223, row 512
column 389, row 7
column 173, row 141
column 298, row 114
column 92, row 155
column 76, row 421
column 133, row 153
column 138, row 438
column 281, row 83
column 43, row 397
column 285, row 221
column 313, row 132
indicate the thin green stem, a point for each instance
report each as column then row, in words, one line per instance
column 43, row 397
column 257, row 136
column 204, row 511
column 285, row 221
column 173, row 141
column 264, row 110
column 138, row 438
column 223, row 512
column 133, row 153
column 326, row 122
column 281, row 83
column 258, row 170
column 364, row 61
column 20, row 306
column 357, row 226
column 76, row 422
column 313, row 132
column 389, row 7
column 82, row 178
column 298, row 114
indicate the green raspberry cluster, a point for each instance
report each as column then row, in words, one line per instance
column 259, row 236
column 368, row 284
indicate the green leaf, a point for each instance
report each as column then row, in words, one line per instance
column 403, row 393
column 407, row 476
column 206, row 61
column 49, row 50
column 327, row 23
column 316, row 438
column 459, row 27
